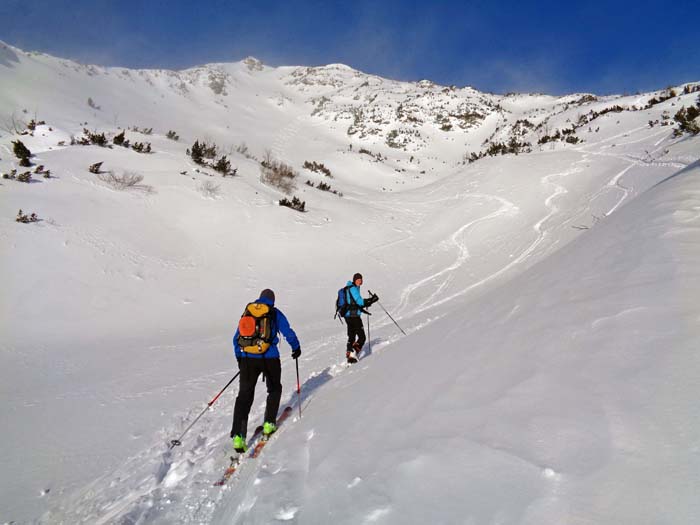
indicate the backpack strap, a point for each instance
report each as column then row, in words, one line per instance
column 352, row 303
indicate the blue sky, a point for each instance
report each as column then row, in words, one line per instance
column 553, row 47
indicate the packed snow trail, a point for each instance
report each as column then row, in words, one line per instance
column 515, row 425
column 168, row 486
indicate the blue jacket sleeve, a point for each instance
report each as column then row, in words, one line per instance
column 236, row 348
column 287, row 332
column 355, row 291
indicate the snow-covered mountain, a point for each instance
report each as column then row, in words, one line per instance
column 540, row 252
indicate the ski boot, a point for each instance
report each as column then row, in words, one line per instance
column 269, row 429
column 239, row 444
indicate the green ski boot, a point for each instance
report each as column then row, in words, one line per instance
column 269, row 429
column 239, row 444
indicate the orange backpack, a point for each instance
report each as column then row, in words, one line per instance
column 255, row 332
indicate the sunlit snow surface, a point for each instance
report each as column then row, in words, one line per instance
column 549, row 374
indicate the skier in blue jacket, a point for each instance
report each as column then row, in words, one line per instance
column 353, row 319
column 251, row 365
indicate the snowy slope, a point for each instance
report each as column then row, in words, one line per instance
column 119, row 305
column 568, row 395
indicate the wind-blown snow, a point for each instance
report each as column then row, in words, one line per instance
column 549, row 374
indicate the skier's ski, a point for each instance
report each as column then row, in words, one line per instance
column 261, row 444
column 236, row 460
column 254, row 450
column 230, row 470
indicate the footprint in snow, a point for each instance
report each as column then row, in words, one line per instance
column 178, row 473
column 355, row 482
column 377, row 514
column 550, row 474
column 286, row 513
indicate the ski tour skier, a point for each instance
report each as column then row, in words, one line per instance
column 354, row 307
column 255, row 346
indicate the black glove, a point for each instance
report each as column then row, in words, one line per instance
column 371, row 300
column 296, row 353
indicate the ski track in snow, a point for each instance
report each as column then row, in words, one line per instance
column 457, row 241
column 155, row 477
column 153, row 494
column 161, row 486
column 507, row 209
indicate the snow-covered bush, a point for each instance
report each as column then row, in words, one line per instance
column 141, row 147
column 317, row 167
column 91, row 138
column 209, row 189
column 127, row 180
column 686, row 118
column 295, row 204
column 196, row 153
column 223, row 166
column 242, row 148
column 24, row 218
column 120, row 139
column 20, row 150
column 324, row 187
column 145, row 131
column 40, row 170
column 31, row 127
column 278, row 174
column 668, row 94
column 391, row 139
column 377, row 156
column 25, row 177
column 201, row 151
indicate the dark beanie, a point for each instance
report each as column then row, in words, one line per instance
column 268, row 294
column 356, row 277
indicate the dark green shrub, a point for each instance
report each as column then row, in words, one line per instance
column 295, row 204
column 196, row 153
column 24, row 218
column 223, row 166
column 20, row 150
column 119, row 139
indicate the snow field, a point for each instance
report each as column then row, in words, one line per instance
column 549, row 300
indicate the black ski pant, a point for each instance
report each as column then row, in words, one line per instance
column 356, row 332
column 251, row 368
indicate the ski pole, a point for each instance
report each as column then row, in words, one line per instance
column 369, row 336
column 387, row 313
column 298, row 387
column 177, row 442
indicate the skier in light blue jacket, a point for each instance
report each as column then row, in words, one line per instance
column 356, row 306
